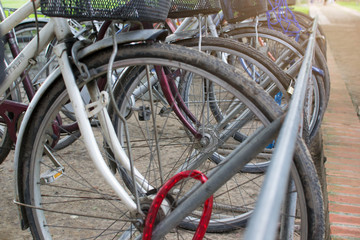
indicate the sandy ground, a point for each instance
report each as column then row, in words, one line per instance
column 9, row 223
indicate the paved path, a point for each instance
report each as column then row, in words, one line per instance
column 341, row 125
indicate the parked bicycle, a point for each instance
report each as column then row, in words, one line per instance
column 60, row 192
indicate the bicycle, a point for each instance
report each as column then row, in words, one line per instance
column 38, row 165
column 28, row 26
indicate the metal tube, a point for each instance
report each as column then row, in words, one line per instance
column 263, row 224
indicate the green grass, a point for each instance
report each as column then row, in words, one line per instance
column 301, row 8
column 13, row 3
column 350, row 4
column 16, row 4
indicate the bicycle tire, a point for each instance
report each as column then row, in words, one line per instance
column 255, row 58
column 302, row 35
column 320, row 56
column 278, row 43
column 295, row 47
column 38, row 132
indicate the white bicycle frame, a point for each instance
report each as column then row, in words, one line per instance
column 59, row 28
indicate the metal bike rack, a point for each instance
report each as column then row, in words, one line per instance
column 264, row 222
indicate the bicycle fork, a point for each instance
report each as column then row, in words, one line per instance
column 87, row 133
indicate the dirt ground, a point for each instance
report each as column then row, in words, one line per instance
column 342, row 30
column 9, row 223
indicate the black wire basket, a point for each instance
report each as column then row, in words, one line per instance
column 190, row 8
column 239, row 10
column 136, row 10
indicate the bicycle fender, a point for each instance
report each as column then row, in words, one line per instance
column 125, row 37
column 17, row 162
column 30, row 20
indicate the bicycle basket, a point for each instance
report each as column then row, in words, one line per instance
column 138, row 10
column 279, row 4
column 189, row 8
column 238, row 10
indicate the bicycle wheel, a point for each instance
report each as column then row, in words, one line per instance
column 253, row 66
column 285, row 52
column 231, row 210
column 274, row 44
column 79, row 204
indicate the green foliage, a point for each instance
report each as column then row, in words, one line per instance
column 350, row 4
column 301, row 8
column 13, row 3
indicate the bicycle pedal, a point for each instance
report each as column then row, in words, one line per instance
column 165, row 111
column 51, row 175
column 144, row 113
